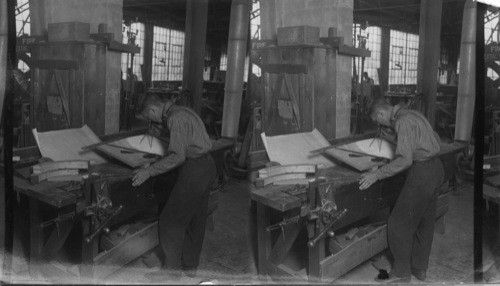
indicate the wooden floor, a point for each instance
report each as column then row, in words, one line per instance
column 229, row 253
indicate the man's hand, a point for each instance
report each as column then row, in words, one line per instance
column 140, row 176
column 367, row 179
column 387, row 134
column 156, row 129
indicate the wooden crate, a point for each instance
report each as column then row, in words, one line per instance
column 298, row 35
column 346, row 258
column 68, row 31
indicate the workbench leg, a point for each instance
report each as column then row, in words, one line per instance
column 264, row 238
column 36, row 239
column 316, row 255
column 89, row 251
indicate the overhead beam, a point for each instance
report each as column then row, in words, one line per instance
column 135, row 3
column 382, row 10
column 385, row 8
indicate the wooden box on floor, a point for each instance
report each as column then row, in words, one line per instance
column 345, row 258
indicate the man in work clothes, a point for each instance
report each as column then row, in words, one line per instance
column 410, row 227
column 182, row 220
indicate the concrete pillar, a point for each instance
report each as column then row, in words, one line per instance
column 109, row 12
column 8, row 54
column 428, row 54
column 323, row 14
column 148, row 54
column 3, row 78
column 3, row 51
column 268, row 28
column 37, row 17
column 384, row 59
column 194, row 50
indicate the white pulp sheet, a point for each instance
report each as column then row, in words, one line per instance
column 295, row 148
column 149, row 144
column 66, row 144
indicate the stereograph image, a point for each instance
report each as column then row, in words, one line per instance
column 237, row 142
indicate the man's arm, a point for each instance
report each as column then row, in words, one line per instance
column 176, row 149
column 404, row 151
column 404, row 157
column 176, row 153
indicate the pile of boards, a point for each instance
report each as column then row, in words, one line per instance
column 285, row 175
column 59, row 171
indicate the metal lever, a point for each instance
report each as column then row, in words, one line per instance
column 294, row 219
column 337, row 216
column 90, row 238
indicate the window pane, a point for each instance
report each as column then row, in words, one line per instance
column 22, row 26
column 371, row 39
column 403, row 58
column 133, row 35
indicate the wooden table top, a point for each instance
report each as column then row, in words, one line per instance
column 61, row 194
column 275, row 197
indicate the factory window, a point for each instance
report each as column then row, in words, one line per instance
column 255, row 30
column 223, row 60
column 492, row 35
column 208, row 64
column 255, row 20
column 133, row 34
column 168, row 49
column 23, row 26
column 160, row 54
column 403, row 58
column 371, row 39
column 445, row 69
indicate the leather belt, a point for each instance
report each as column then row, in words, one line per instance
column 202, row 156
column 426, row 160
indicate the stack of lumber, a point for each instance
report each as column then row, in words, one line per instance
column 285, row 175
column 59, row 171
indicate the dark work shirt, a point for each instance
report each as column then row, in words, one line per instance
column 416, row 141
column 188, row 138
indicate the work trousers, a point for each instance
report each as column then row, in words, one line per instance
column 410, row 227
column 182, row 221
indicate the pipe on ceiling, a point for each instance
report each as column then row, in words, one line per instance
column 236, row 54
column 467, row 76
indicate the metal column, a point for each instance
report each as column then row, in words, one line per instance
column 467, row 77
column 236, row 53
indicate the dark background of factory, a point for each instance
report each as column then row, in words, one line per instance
column 265, row 77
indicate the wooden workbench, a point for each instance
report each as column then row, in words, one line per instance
column 273, row 205
column 48, row 200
